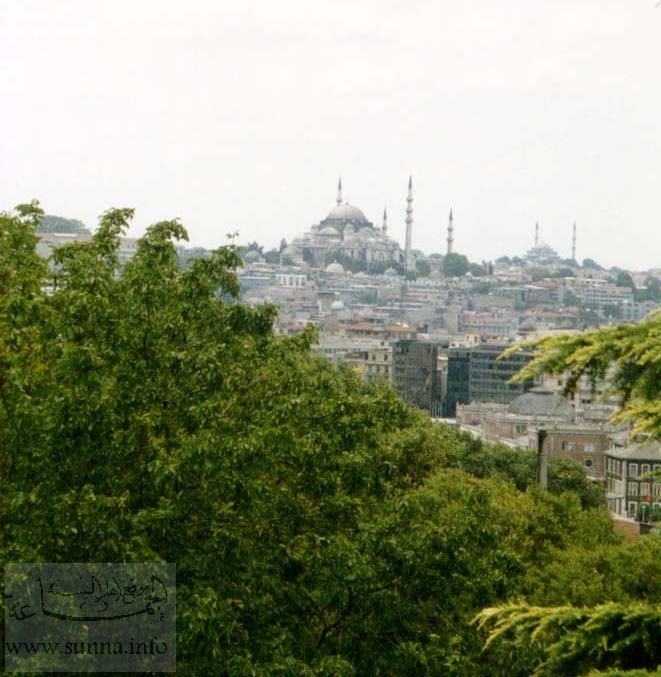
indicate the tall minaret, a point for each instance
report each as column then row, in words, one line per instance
column 536, row 233
column 339, row 192
column 408, row 253
column 450, row 234
column 573, row 242
column 385, row 222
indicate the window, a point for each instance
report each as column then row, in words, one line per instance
column 633, row 470
column 645, row 468
column 567, row 446
column 589, row 446
column 587, row 462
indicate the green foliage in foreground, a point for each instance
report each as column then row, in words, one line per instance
column 319, row 526
column 572, row 641
column 629, row 355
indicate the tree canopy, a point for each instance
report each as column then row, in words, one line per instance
column 454, row 265
column 49, row 223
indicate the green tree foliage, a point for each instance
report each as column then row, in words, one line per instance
column 477, row 270
column 539, row 273
column 632, row 352
column 48, row 223
column 591, row 264
column 454, row 265
column 573, row 641
column 146, row 418
column 624, row 279
column 422, row 268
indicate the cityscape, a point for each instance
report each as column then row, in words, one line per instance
column 330, row 338
column 434, row 327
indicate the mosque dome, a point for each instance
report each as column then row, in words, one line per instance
column 541, row 402
column 391, row 272
column 337, row 305
column 347, row 212
column 335, row 268
column 329, row 230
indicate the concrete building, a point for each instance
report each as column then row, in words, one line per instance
column 517, row 424
column 415, row 375
column 629, row 494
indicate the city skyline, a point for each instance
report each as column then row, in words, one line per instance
column 241, row 118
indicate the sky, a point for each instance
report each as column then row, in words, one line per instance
column 241, row 116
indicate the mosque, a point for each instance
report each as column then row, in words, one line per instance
column 346, row 231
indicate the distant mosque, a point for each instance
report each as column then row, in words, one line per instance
column 346, row 231
column 541, row 252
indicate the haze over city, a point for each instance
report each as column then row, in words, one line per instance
column 242, row 117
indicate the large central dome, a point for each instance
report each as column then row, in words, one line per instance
column 346, row 212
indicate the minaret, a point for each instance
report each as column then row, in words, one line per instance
column 339, row 192
column 450, row 234
column 408, row 253
column 573, row 242
column 385, row 222
column 536, row 233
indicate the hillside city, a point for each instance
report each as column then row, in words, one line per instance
column 434, row 326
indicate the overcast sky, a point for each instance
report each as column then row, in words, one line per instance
column 240, row 116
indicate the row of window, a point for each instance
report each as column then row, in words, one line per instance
column 634, row 469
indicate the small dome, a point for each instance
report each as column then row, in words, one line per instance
column 329, row 230
column 391, row 272
column 252, row 255
column 541, row 402
column 335, row 268
column 290, row 250
column 347, row 212
column 337, row 305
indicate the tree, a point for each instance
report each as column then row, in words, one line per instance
column 539, row 273
column 477, row 270
column 591, row 263
column 632, row 352
column 422, row 268
column 148, row 417
column 624, row 279
column 612, row 310
column 576, row 641
column 48, row 223
column 454, row 265
column 564, row 272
